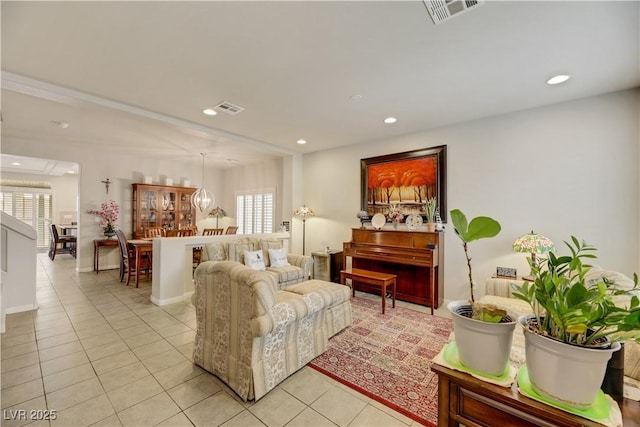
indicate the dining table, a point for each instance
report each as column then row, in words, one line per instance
column 140, row 248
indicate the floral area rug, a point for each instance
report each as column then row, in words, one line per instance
column 388, row 357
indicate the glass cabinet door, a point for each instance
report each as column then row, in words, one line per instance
column 168, row 206
column 185, row 215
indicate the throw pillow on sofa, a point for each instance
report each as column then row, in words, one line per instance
column 235, row 249
column 254, row 260
column 214, row 252
column 278, row 257
column 265, row 245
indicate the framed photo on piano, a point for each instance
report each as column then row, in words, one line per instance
column 405, row 180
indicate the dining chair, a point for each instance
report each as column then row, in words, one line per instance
column 154, row 232
column 171, row 233
column 190, row 227
column 232, row 229
column 185, row 232
column 212, row 231
column 128, row 258
column 61, row 244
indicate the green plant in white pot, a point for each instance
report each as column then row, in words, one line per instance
column 483, row 332
column 577, row 324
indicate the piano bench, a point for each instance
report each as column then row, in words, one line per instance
column 371, row 278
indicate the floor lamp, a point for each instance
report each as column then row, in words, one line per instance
column 303, row 212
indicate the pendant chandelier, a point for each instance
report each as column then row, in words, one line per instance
column 202, row 199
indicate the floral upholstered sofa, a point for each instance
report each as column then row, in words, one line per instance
column 286, row 268
column 252, row 334
column 499, row 292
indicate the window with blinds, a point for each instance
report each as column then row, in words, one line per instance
column 33, row 208
column 254, row 211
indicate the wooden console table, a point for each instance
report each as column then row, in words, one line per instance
column 463, row 399
column 96, row 250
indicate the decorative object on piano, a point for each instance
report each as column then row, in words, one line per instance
column 580, row 314
column 202, row 199
column 507, row 272
column 304, row 211
column 406, row 179
column 534, row 244
column 326, row 244
column 108, row 215
column 439, row 225
column 378, row 221
column 362, row 216
column 413, row 221
column 430, row 211
column 395, row 216
column 217, row 213
column 483, row 332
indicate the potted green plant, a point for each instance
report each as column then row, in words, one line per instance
column 577, row 323
column 430, row 213
column 480, row 326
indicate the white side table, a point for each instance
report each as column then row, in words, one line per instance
column 327, row 265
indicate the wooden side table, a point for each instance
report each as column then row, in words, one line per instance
column 463, row 399
column 96, row 251
column 327, row 265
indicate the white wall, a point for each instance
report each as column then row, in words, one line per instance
column 565, row 169
column 260, row 176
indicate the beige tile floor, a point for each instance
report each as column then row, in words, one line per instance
column 99, row 353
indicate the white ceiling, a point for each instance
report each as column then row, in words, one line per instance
column 135, row 76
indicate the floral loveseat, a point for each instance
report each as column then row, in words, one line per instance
column 499, row 292
column 289, row 270
column 252, row 335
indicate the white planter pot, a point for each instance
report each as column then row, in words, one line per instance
column 567, row 374
column 483, row 347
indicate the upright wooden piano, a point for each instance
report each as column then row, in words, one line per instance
column 416, row 257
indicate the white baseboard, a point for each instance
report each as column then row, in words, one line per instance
column 21, row 308
column 166, row 301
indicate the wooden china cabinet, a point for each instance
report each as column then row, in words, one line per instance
column 161, row 206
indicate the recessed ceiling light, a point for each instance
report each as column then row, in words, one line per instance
column 16, row 164
column 390, row 120
column 301, row 141
column 560, row 78
column 355, row 97
column 71, row 172
column 210, row 111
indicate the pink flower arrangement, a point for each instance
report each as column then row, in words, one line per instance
column 108, row 214
column 394, row 214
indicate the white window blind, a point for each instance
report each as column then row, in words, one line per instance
column 33, row 208
column 254, row 211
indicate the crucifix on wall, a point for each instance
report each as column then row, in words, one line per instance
column 106, row 184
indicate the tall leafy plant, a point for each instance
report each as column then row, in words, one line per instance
column 481, row 227
column 573, row 308
column 430, row 209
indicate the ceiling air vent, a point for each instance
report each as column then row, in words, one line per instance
column 443, row 10
column 229, row 108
